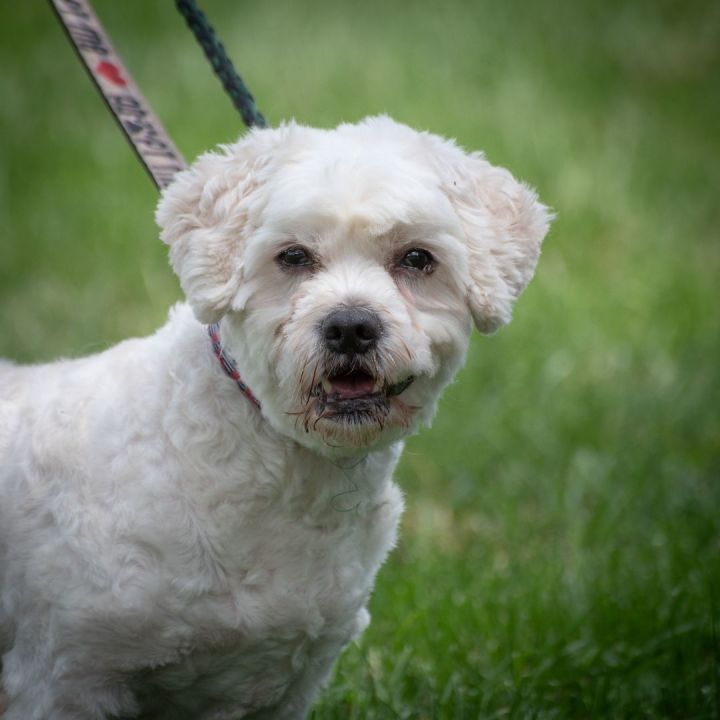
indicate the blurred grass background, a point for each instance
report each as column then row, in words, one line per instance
column 560, row 556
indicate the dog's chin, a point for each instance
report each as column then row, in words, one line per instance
column 353, row 409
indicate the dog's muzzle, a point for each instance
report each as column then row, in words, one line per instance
column 353, row 389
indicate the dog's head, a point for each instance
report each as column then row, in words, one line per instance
column 347, row 267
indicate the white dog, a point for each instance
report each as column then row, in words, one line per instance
column 172, row 547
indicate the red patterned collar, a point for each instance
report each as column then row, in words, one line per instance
column 228, row 364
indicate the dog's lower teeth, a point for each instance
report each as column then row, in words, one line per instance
column 378, row 386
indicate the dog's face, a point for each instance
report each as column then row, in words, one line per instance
column 347, row 267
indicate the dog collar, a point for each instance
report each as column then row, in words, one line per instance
column 228, row 364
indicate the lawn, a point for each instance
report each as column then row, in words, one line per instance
column 560, row 554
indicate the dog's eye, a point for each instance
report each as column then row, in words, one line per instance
column 417, row 259
column 295, row 256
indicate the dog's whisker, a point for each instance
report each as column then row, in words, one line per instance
column 313, row 381
column 302, row 372
column 408, row 354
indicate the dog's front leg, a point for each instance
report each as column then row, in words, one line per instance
column 316, row 668
column 43, row 688
column 298, row 698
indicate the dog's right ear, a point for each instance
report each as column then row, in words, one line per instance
column 204, row 217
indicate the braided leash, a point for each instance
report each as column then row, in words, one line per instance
column 234, row 86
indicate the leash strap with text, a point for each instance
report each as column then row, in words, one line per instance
column 148, row 137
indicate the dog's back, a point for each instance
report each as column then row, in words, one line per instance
column 10, row 390
column 13, row 384
column 6, row 388
column 9, row 387
column 10, row 381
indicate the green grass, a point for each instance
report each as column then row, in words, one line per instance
column 560, row 556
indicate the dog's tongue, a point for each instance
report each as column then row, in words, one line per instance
column 352, row 385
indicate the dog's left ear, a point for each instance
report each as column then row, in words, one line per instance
column 504, row 226
column 204, row 216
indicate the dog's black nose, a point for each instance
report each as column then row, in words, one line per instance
column 351, row 330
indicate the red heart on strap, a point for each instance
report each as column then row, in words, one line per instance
column 110, row 72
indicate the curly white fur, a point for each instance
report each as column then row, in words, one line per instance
column 166, row 549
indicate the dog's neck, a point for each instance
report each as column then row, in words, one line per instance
column 228, row 364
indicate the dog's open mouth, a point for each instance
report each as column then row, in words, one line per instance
column 357, row 396
column 358, row 384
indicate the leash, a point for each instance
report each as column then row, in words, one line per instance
column 148, row 138
column 146, row 134
column 214, row 51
